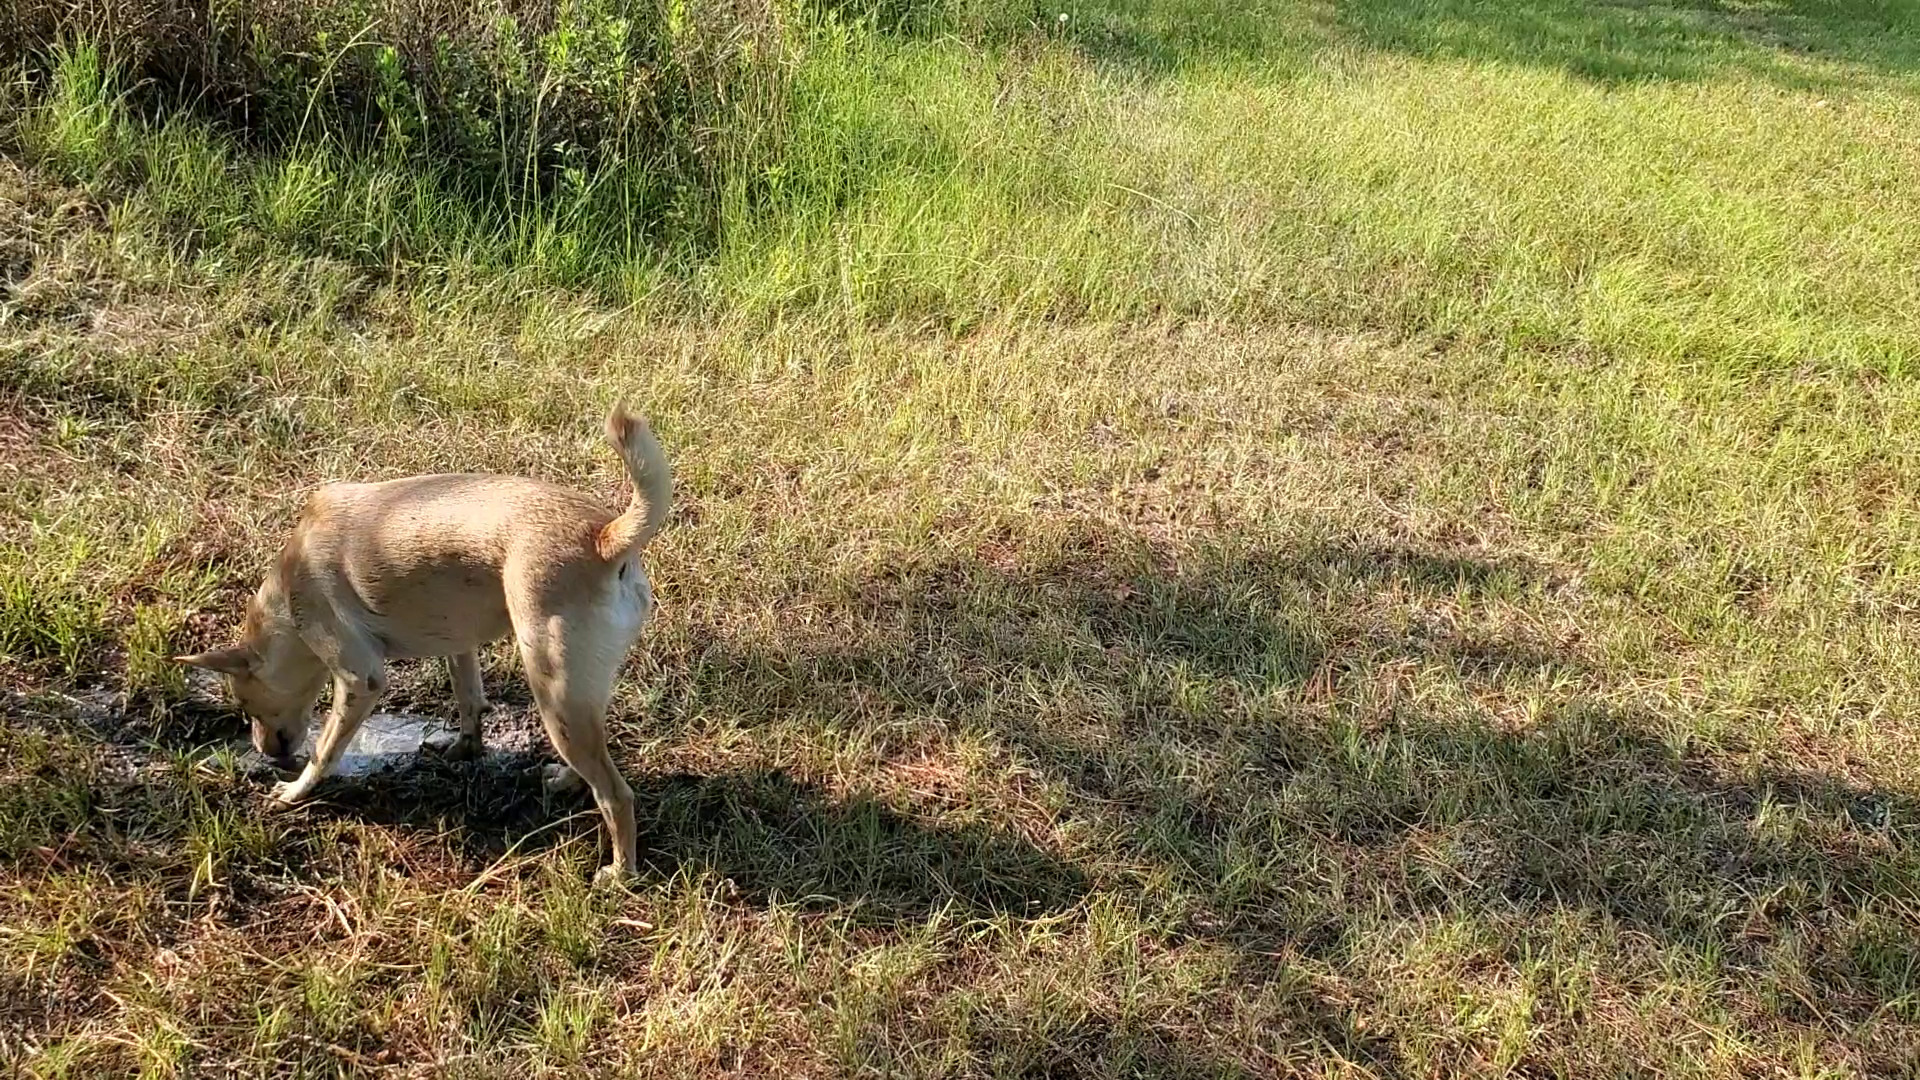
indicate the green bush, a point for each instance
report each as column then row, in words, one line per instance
column 512, row 95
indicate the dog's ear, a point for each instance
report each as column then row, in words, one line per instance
column 234, row 660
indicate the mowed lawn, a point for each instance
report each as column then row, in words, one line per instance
column 1295, row 538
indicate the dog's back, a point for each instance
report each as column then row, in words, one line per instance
column 425, row 563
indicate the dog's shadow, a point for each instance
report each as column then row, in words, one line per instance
column 775, row 838
column 771, row 835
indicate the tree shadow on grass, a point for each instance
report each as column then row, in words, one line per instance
column 1288, row 747
column 1606, row 41
column 1613, row 41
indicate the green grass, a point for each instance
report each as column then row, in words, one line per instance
column 1310, row 539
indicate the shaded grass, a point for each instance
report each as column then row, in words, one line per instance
column 1817, row 44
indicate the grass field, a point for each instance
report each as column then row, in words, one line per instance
column 1292, row 538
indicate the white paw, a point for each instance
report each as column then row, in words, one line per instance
column 288, row 792
column 609, row 875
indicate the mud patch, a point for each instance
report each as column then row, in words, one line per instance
column 386, row 741
column 391, row 743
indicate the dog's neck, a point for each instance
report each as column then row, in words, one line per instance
column 274, row 635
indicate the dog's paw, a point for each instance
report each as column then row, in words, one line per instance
column 453, row 748
column 611, row 876
column 288, row 792
column 558, row 780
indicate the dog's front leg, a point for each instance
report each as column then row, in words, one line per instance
column 470, row 701
column 354, row 696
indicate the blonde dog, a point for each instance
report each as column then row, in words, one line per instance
column 438, row 566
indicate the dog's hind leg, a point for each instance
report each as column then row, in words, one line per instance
column 573, row 707
column 359, row 678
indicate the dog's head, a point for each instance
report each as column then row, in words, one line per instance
column 277, row 706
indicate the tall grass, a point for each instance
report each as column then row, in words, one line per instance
column 509, row 94
column 395, row 131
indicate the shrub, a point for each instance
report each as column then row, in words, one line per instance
column 510, row 95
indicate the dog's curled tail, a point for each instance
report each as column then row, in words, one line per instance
column 652, row 486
